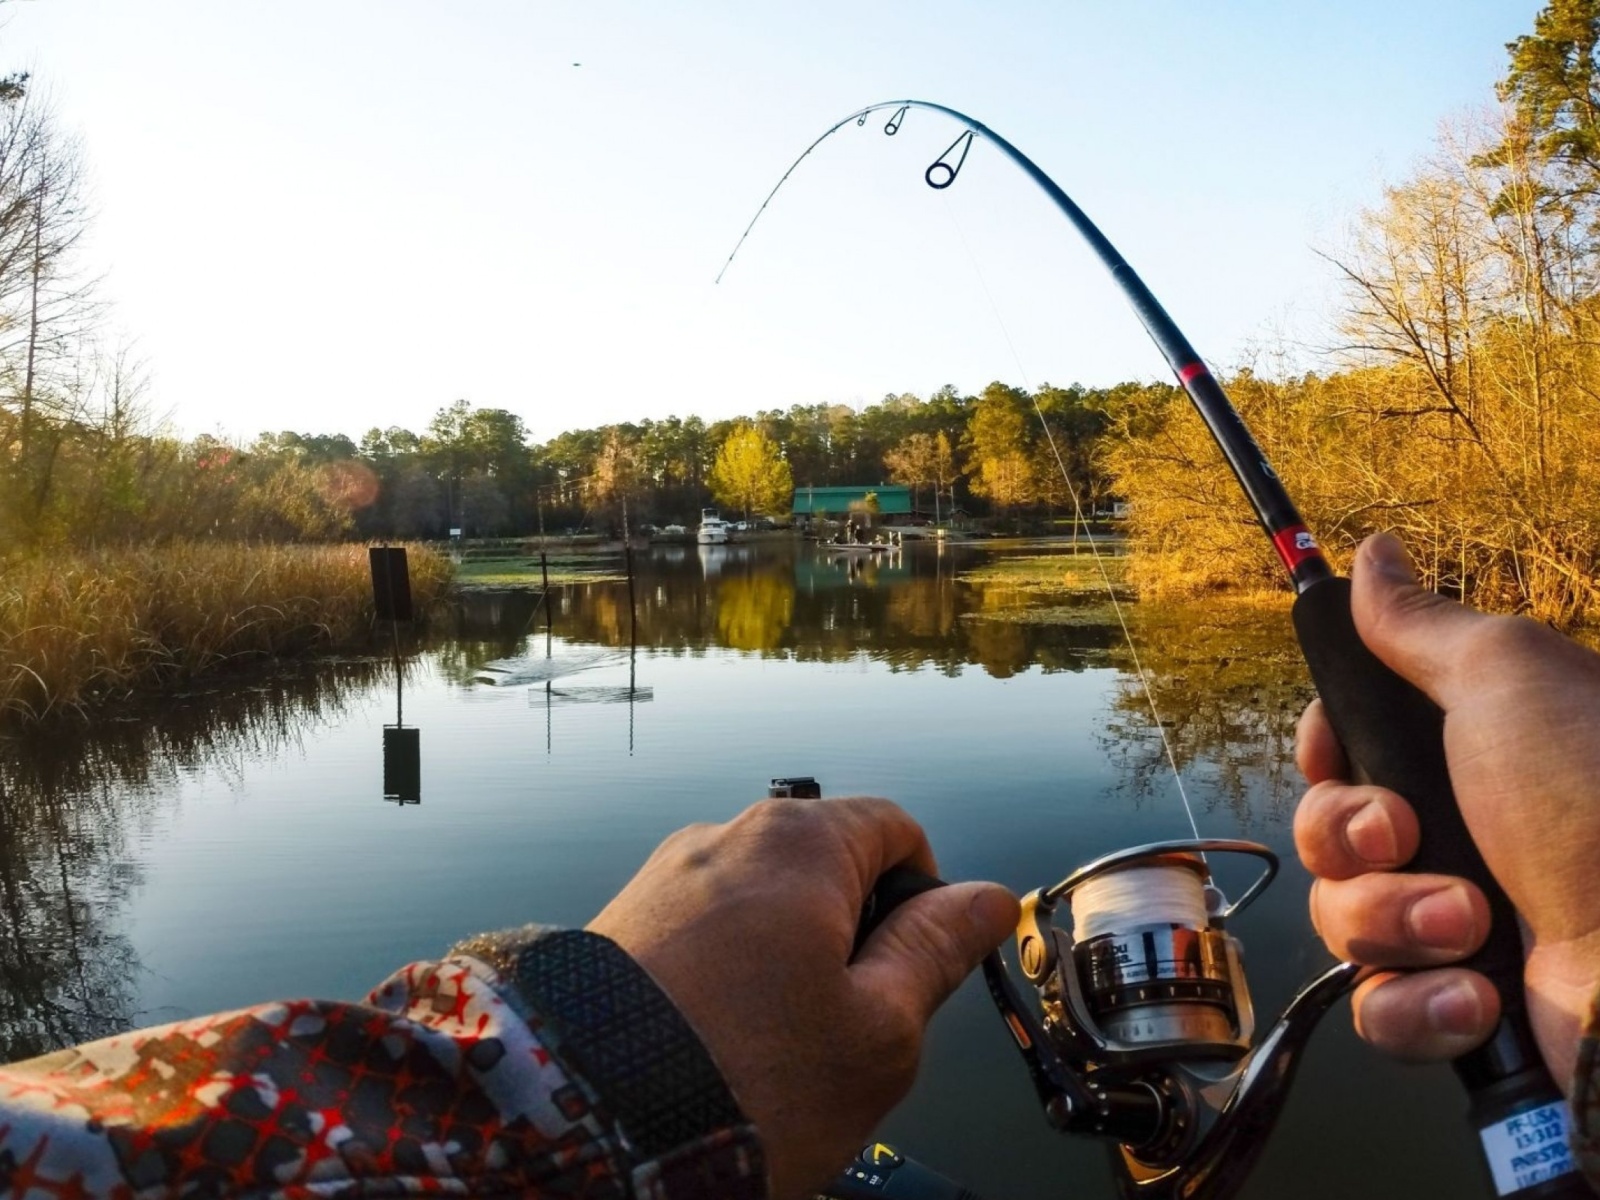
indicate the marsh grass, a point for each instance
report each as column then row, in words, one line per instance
column 80, row 629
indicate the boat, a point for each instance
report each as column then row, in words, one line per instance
column 713, row 529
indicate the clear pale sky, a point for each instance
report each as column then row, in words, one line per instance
column 324, row 215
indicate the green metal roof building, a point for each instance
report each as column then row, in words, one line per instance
column 893, row 500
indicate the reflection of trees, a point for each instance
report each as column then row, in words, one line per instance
column 907, row 609
column 1229, row 684
column 71, row 804
column 753, row 611
column 66, row 975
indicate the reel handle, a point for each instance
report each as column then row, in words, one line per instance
column 894, row 887
column 881, row 1172
column 1394, row 736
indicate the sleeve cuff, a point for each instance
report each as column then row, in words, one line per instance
column 610, row 1025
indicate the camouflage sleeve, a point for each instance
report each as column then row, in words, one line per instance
column 1586, row 1099
column 494, row 1071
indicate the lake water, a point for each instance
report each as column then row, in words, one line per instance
column 235, row 845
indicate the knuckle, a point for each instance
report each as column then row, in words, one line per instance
column 778, row 820
column 689, row 842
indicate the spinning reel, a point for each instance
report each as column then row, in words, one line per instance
column 1147, row 1036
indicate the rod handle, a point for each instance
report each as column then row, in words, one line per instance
column 1393, row 736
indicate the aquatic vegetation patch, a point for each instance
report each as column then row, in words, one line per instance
column 524, row 572
column 1052, row 574
column 1076, row 615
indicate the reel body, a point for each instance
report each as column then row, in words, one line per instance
column 1148, row 1032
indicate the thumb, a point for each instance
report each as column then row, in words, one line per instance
column 1420, row 635
column 927, row 946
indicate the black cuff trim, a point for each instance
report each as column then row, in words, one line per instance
column 617, row 1029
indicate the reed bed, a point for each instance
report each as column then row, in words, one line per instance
column 78, row 629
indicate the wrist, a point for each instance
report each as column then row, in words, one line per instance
column 639, row 1063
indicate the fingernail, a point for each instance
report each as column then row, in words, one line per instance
column 1389, row 558
column 1443, row 919
column 1370, row 835
column 1454, row 1008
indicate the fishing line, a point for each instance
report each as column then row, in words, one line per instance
column 1123, row 902
column 1079, row 520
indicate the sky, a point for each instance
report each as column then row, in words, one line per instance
column 330, row 215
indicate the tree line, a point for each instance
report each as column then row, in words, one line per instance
column 106, row 479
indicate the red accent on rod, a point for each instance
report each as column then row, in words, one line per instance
column 1294, row 545
column 1191, row 371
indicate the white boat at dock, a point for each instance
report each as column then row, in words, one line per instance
column 713, row 529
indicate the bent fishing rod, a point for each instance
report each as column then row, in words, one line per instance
column 1148, row 1034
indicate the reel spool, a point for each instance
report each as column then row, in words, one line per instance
column 1148, row 1036
column 1149, row 970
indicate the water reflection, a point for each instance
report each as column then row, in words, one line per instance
column 1228, row 685
column 71, row 806
column 909, row 608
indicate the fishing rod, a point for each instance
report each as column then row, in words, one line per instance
column 1148, row 1033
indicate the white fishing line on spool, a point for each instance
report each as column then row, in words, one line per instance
column 1124, row 901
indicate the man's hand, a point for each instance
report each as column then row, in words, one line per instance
column 748, row 927
column 1522, row 740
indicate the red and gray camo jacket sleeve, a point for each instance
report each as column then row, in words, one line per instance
column 533, row 1062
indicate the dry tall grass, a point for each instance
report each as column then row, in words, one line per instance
column 80, row 628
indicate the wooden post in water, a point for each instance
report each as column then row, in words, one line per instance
column 544, row 573
column 627, row 558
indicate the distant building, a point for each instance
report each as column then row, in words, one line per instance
column 889, row 500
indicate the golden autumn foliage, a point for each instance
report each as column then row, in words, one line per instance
column 1465, row 415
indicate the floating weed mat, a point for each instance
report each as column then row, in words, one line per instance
column 524, row 572
column 1086, row 615
column 1052, row 575
column 78, row 629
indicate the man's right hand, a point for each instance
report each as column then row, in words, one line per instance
column 1522, row 739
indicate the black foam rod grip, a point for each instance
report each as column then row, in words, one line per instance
column 894, row 887
column 1393, row 735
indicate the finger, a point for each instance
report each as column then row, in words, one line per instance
column 1418, row 634
column 1317, row 751
column 1385, row 920
column 1345, row 829
column 927, row 946
column 879, row 834
column 1428, row 1016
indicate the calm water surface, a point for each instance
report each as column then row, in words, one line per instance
column 235, row 846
